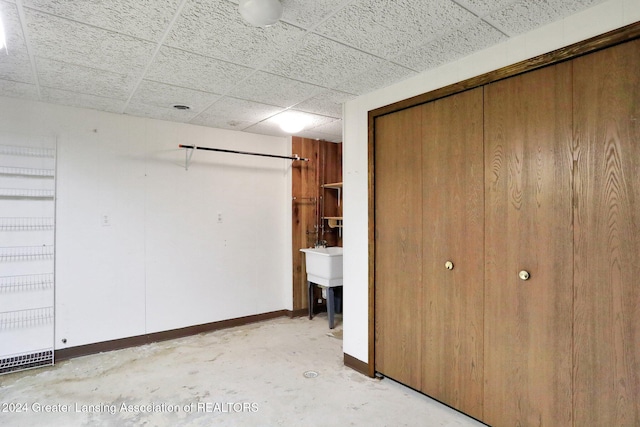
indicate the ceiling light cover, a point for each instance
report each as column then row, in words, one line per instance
column 292, row 121
column 260, row 13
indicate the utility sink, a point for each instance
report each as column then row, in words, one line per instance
column 324, row 265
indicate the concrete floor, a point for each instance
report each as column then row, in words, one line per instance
column 245, row 376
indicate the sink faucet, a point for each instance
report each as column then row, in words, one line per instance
column 320, row 244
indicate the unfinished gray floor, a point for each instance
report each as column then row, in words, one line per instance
column 244, row 376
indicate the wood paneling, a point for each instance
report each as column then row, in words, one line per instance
column 398, row 263
column 324, row 165
column 453, row 229
column 607, row 237
column 528, row 175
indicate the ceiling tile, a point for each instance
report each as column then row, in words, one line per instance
column 459, row 43
column 166, row 96
column 215, row 29
column 427, row 56
column 274, row 90
column 328, row 103
column 14, row 62
column 146, row 19
column 307, row 14
column 322, row 62
column 75, row 43
column 75, row 99
column 387, row 28
column 76, row 78
column 221, row 123
column 180, row 68
column 376, row 78
column 18, row 90
column 229, row 109
column 526, row 15
column 159, row 113
column 482, row 7
column 332, row 128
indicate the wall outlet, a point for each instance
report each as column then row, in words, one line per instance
column 105, row 220
column 219, row 217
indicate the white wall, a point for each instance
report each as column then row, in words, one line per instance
column 597, row 20
column 163, row 261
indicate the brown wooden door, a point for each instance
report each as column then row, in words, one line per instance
column 453, row 230
column 528, row 216
column 398, row 253
column 607, row 238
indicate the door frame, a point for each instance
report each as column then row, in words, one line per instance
column 603, row 41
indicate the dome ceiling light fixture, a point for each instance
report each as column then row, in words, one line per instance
column 260, row 13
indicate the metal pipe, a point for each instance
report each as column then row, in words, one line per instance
column 194, row 147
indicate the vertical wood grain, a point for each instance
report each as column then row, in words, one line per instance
column 607, row 237
column 453, row 229
column 528, row 176
column 325, row 163
column 398, row 255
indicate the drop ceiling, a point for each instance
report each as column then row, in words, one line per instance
column 143, row 57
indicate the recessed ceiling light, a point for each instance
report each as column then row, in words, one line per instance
column 181, row 107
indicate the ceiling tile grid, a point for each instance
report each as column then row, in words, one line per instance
column 143, row 57
column 386, row 28
column 144, row 19
column 189, row 70
column 322, row 62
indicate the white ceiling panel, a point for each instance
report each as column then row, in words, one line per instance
column 76, row 43
column 166, row 96
column 18, row 90
column 387, row 28
column 76, row 78
column 215, row 29
column 526, row 15
column 322, row 62
column 273, row 90
column 483, row 7
column 451, row 46
column 159, row 113
column 81, row 100
column 141, row 57
column 384, row 75
column 145, row 19
column 232, row 109
column 180, row 68
column 328, row 103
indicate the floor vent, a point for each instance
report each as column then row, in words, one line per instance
column 19, row 362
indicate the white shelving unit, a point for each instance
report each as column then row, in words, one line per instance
column 27, row 252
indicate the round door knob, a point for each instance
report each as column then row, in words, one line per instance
column 448, row 265
column 524, row 275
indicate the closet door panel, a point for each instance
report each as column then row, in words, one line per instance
column 607, row 239
column 453, row 230
column 528, row 217
column 398, row 254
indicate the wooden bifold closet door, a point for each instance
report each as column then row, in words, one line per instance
column 529, row 227
column 429, row 199
column 607, row 237
column 530, row 187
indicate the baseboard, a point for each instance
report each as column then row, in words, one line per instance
column 298, row 313
column 356, row 364
column 85, row 350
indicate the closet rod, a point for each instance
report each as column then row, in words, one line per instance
column 194, row 147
